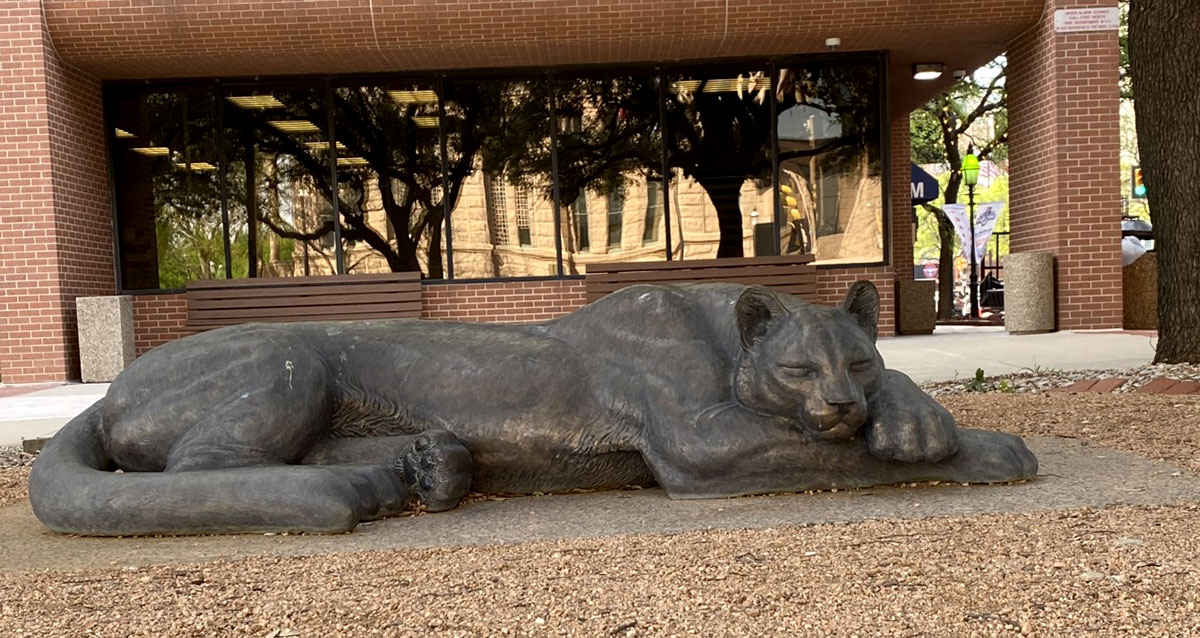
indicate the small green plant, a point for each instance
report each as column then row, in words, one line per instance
column 1006, row 387
column 978, row 384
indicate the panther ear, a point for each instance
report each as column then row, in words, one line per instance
column 862, row 303
column 755, row 308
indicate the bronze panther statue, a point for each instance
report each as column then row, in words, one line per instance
column 708, row 390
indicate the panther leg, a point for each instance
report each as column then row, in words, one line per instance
column 730, row 451
column 434, row 466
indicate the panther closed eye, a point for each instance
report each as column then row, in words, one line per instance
column 862, row 365
column 798, row 370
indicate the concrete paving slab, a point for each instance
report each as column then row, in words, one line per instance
column 956, row 355
column 1071, row 476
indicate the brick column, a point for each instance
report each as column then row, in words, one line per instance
column 1064, row 186
column 55, row 220
column 900, row 196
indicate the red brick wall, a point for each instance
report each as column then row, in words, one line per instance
column 55, row 243
column 157, row 319
column 181, row 38
column 507, row 301
column 1064, row 188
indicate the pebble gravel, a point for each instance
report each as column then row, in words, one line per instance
column 1043, row 379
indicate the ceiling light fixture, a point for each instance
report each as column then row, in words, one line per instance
column 928, row 71
column 295, row 126
column 152, row 151
column 685, row 86
column 256, row 101
column 323, row 146
column 414, row 97
column 195, row 166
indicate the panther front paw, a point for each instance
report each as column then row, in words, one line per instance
column 907, row 425
column 920, row 431
column 437, row 469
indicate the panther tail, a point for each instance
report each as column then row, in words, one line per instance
column 72, row 490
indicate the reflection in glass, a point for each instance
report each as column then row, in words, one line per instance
column 609, row 163
column 265, row 151
column 390, row 178
column 499, row 178
column 167, row 190
column 831, row 185
column 279, row 183
column 719, row 149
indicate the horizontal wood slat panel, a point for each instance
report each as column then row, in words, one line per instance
column 313, row 313
column 699, row 263
column 315, row 280
column 299, row 292
column 774, row 274
column 199, row 326
column 792, row 274
column 803, row 291
column 227, row 302
column 333, row 299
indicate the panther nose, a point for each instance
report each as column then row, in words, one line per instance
column 842, row 407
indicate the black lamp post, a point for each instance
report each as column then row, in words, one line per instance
column 970, row 171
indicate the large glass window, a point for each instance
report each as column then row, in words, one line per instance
column 499, row 179
column 719, row 148
column 168, row 197
column 458, row 177
column 609, row 161
column 390, row 178
column 280, row 188
column 830, row 166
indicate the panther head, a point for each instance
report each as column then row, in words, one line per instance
column 813, row 364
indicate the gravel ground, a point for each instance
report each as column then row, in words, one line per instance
column 1042, row 379
column 1117, row 571
column 14, row 484
column 14, row 474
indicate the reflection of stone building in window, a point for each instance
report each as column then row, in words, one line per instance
column 845, row 209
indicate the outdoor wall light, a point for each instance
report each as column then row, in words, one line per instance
column 928, row 71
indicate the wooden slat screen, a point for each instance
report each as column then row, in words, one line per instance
column 226, row 302
column 793, row 274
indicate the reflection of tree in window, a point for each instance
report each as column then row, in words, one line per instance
column 654, row 208
column 496, row 209
column 829, row 149
column 616, row 217
column 521, row 203
column 579, row 211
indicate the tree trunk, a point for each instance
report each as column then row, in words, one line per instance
column 1164, row 58
column 946, row 235
column 725, row 193
column 945, row 267
column 435, row 250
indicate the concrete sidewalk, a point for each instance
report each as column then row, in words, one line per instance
column 948, row 354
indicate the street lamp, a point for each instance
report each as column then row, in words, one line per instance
column 970, row 172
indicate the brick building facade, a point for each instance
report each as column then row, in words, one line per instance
column 56, row 56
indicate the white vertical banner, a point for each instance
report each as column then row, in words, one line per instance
column 959, row 217
column 985, row 222
column 986, row 216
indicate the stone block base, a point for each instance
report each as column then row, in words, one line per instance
column 105, row 336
